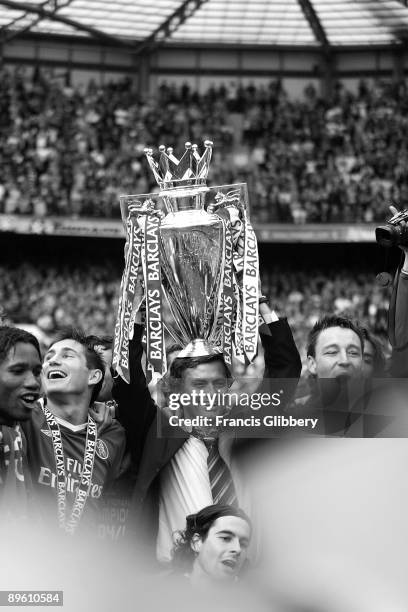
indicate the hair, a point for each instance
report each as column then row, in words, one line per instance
column 172, row 349
column 10, row 336
column 200, row 524
column 327, row 323
column 93, row 360
column 181, row 364
column 105, row 341
column 379, row 357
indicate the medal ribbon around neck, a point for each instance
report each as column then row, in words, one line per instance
column 82, row 492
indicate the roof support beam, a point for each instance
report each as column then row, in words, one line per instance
column 315, row 23
column 399, row 32
column 43, row 13
column 186, row 9
column 6, row 34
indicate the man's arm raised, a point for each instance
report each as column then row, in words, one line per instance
column 398, row 317
column 281, row 356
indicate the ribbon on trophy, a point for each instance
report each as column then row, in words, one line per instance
column 129, row 299
column 149, row 369
column 155, row 350
column 245, row 258
column 238, row 233
column 250, row 280
column 238, row 239
column 227, row 294
column 237, row 324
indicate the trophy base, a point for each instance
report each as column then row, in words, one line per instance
column 199, row 348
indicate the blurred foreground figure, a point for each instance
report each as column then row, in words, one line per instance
column 336, row 535
column 20, row 371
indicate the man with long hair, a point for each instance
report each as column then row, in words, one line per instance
column 213, row 547
column 20, row 383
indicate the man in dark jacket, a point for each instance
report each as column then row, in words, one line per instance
column 175, row 470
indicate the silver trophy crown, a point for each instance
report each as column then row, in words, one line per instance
column 191, row 169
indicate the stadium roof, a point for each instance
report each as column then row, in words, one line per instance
column 139, row 24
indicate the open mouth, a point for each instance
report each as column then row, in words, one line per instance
column 56, row 374
column 30, row 398
column 230, row 563
column 344, row 376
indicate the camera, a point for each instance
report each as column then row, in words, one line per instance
column 393, row 234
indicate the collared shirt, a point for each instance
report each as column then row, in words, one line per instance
column 185, row 489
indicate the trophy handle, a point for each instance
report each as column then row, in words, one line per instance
column 223, row 200
column 142, row 204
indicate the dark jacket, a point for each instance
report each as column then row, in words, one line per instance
column 336, row 409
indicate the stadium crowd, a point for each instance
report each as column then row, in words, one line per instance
column 45, row 297
column 72, row 150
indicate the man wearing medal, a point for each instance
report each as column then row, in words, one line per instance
column 70, row 463
column 206, row 266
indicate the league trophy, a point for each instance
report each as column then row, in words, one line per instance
column 192, row 247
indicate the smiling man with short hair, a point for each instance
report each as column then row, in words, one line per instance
column 335, row 364
column 335, row 349
column 71, row 464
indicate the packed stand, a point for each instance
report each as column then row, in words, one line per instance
column 68, row 150
column 304, row 297
column 47, row 297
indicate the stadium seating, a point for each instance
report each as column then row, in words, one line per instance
column 67, row 151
